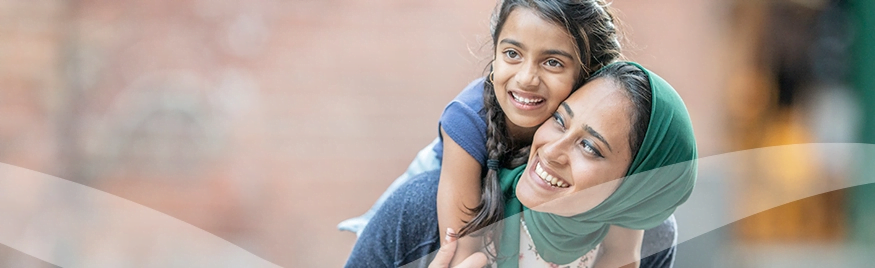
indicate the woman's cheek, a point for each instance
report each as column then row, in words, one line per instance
column 544, row 134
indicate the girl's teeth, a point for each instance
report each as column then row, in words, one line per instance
column 525, row 100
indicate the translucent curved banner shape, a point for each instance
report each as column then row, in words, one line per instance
column 784, row 174
column 789, row 173
column 72, row 225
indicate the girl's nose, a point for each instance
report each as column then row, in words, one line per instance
column 528, row 77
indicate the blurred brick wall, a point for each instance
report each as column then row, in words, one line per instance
column 686, row 42
column 263, row 122
column 31, row 41
column 30, row 77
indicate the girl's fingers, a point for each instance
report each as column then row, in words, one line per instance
column 445, row 254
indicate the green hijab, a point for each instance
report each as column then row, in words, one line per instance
column 660, row 178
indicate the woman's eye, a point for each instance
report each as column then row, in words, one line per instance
column 558, row 119
column 554, row 63
column 511, row 54
column 590, row 149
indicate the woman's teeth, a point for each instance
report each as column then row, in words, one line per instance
column 525, row 100
column 553, row 181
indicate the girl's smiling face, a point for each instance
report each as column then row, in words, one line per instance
column 579, row 156
column 536, row 65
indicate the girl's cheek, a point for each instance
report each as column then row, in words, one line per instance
column 503, row 70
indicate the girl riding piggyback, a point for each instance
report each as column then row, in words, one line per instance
column 542, row 51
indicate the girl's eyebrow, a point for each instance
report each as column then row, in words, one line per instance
column 512, row 42
column 558, row 52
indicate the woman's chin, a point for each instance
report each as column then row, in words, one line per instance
column 545, row 206
column 540, row 206
column 533, row 192
column 533, row 205
column 528, row 196
column 537, row 201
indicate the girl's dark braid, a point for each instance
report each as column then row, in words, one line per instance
column 500, row 147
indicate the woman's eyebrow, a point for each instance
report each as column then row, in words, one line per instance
column 588, row 129
column 567, row 109
column 597, row 136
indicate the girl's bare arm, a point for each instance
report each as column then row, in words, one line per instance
column 458, row 190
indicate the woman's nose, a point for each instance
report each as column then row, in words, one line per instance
column 528, row 76
column 556, row 151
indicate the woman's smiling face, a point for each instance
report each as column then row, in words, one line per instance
column 580, row 155
column 535, row 67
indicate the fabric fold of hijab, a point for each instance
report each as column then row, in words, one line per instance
column 659, row 179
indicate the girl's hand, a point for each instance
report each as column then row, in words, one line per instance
column 445, row 255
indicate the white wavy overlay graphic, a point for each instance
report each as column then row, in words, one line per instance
column 716, row 201
column 707, row 208
column 71, row 225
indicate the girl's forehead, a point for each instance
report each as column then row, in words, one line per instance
column 526, row 23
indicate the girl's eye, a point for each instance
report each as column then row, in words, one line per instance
column 511, row 54
column 558, row 119
column 554, row 63
column 590, row 149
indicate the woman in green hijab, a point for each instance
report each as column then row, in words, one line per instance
column 618, row 157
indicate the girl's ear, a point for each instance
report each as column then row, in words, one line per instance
column 491, row 72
